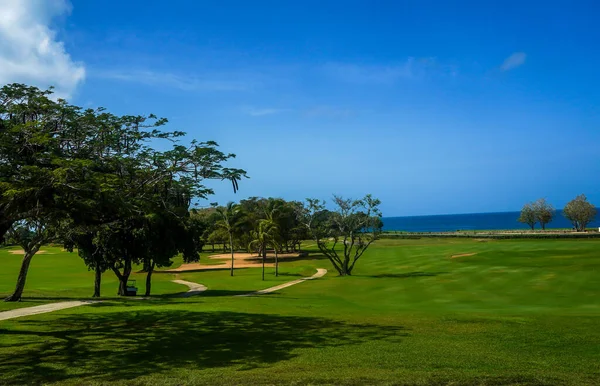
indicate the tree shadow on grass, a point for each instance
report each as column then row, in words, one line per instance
column 285, row 274
column 406, row 275
column 119, row 346
column 215, row 293
column 201, row 270
column 121, row 301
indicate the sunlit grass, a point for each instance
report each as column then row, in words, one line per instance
column 513, row 312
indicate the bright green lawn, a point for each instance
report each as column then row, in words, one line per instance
column 517, row 312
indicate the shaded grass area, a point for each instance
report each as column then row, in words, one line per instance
column 515, row 312
column 117, row 346
column 62, row 276
column 173, row 345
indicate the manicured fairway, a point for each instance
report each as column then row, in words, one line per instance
column 512, row 312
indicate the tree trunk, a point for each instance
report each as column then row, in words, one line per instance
column 213, row 247
column 264, row 257
column 149, row 279
column 543, row 226
column 97, row 281
column 122, row 286
column 276, row 264
column 16, row 296
column 123, row 278
column 231, row 245
column 345, row 270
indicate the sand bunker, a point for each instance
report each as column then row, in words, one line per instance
column 22, row 252
column 241, row 260
column 463, row 255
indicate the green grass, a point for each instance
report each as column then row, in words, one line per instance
column 516, row 312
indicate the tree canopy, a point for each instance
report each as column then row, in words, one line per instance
column 102, row 175
column 355, row 224
column 544, row 212
column 580, row 212
column 528, row 215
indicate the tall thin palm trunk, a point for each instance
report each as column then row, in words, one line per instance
column 276, row 264
column 264, row 257
column 231, row 246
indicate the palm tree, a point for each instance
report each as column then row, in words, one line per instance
column 275, row 244
column 261, row 237
column 228, row 215
column 272, row 212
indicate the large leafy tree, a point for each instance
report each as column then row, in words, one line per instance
column 90, row 251
column 98, row 172
column 355, row 224
column 580, row 212
column 44, row 159
column 157, row 189
column 292, row 231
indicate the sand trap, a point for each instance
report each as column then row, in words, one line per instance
column 463, row 255
column 252, row 256
column 241, row 260
column 22, row 252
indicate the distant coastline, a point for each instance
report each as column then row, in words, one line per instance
column 470, row 222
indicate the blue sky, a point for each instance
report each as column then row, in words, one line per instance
column 431, row 106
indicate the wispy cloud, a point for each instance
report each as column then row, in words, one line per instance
column 368, row 74
column 515, row 60
column 29, row 49
column 388, row 74
column 329, row 112
column 259, row 112
column 216, row 82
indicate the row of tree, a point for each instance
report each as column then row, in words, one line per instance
column 254, row 225
column 579, row 211
column 97, row 182
column 342, row 233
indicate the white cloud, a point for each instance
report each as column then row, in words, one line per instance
column 215, row 82
column 29, row 50
column 513, row 61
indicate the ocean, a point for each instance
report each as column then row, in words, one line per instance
column 472, row 221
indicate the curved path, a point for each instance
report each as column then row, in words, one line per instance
column 320, row 273
column 195, row 288
column 27, row 311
